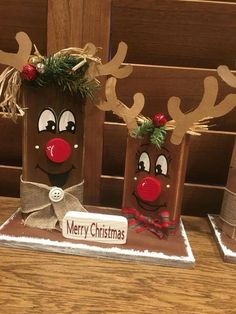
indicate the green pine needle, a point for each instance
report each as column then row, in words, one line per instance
column 145, row 128
column 158, row 136
column 58, row 71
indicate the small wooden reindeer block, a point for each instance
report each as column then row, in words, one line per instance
column 154, row 180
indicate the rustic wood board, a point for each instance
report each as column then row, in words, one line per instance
column 170, row 32
column 227, row 246
column 174, row 251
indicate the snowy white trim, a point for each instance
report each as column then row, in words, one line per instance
column 90, row 250
column 226, row 251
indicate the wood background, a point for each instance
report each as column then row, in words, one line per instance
column 173, row 46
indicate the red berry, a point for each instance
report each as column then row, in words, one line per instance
column 159, row 119
column 29, row 72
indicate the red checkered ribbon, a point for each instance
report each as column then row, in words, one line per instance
column 140, row 222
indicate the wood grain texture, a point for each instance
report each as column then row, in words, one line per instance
column 10, row 180
column 172, row 32
column 198, row 199
column 23, row 15
column 10, row 139
column 55, row 283
column 218, row 146
column 74, row 23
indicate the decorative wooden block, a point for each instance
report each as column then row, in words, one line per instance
column 147, row 248
column 165, row 167
column 53, row 114
column 95, row 227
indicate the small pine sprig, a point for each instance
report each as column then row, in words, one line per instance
column 158, row 136
column 145, row 128
column 155, row 128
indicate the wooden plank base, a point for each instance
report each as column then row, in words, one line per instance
column 226, row 245
column 143, row 247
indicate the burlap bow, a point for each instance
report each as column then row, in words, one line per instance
column 44, row 213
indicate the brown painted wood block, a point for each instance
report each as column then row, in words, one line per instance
column 53, row 123
column 159, row 172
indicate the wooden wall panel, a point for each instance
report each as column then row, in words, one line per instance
column 10, row 180
column 10, row 142
column 159, row 83
column 23, row 15
column 172, row 32
column 209, row 158
column 208, row 162
column 198, row 200
column 114, row 149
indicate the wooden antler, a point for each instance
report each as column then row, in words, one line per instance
column 226, row 75
column 113, row 66
column 193, row 121
column 129, row 115
column 19, row 59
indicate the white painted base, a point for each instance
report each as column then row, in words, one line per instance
column 228, row 254
column 115, row 252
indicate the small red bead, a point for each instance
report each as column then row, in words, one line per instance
column 159, row 119
column 148, row 189
column 29, row 72
column 57, row 150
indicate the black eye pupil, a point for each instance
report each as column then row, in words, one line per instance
column 141, row 166
column 51, row 126
column 158, row 169
column 70, row 126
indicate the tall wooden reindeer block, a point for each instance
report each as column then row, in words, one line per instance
column 50, row 93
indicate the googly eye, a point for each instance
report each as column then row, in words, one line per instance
column 144, row 162
column 161, row 167
column 67, row 122
column 47, row 121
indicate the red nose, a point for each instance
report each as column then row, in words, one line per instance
column 148, row 189
column 57, row 150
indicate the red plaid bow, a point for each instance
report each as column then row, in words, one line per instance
column 139, row 222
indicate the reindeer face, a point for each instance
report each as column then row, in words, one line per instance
column 154, row 178
column 54, row 141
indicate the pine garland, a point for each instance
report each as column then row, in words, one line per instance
column 157, row 134
column 58, row 70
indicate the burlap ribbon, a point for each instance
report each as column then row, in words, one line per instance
column 44, row 213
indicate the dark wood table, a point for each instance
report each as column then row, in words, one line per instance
column 38, row 282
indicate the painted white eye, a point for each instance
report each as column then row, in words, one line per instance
column 67, row 122
column 144, row 162
column 161, row 165
column 47, row 121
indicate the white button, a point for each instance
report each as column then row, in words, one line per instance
column 56, row 194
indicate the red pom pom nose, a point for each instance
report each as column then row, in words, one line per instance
column 57, row 150
column 149, row 189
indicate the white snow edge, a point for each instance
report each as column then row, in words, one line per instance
column 225, row 250
column 82, row 249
